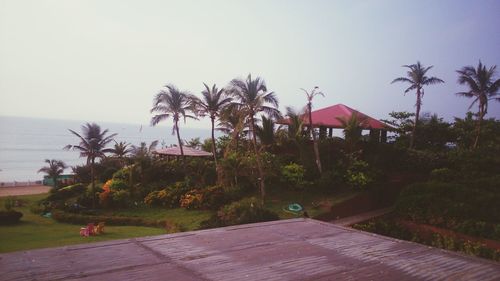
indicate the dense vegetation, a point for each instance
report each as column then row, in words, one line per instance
column 455, row 164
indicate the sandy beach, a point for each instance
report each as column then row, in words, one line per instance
column 23, row 190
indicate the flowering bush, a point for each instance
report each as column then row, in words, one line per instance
column 192, row 199
column 169, row 197
column 114, row 194
column 212, row 197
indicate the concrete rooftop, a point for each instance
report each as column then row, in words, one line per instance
column 297, row 249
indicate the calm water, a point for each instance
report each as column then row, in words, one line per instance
column 26, row 142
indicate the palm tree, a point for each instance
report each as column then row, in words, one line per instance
column 265, row 132
column 416, row 77
column 194, row 143
column 310, row 96
column 54, row 169
column 120, row 151
column 92, row 145
column 296, row 125
column 212, row 103
column 174, row 103
column 232, row 122
column 352, row 130
column 482, row 87
column 252, row 98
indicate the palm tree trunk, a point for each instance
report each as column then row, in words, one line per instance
column 259, row 164
column 92, row 179
column 478, row 125
column 213, row 142
column 180, row 143
column 315, row 142
column 417, row 114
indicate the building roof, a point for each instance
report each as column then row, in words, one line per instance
column 296, row 249
column 327, row 117
column 188, row 151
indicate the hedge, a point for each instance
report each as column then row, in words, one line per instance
column 10, row 217
column 109, row 220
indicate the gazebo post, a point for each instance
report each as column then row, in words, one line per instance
column 322, row 132
column 374, row 135
column 330, row 132
column 383, row 136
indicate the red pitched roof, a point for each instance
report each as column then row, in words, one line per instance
column 188, row 151
column 327, row 117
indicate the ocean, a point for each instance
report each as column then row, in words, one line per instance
column 25, row 143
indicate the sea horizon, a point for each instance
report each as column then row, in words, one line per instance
column 25, row 142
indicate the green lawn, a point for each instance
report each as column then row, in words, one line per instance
column 187, row 219
column 35, row 231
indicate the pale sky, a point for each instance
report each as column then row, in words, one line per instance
column 105, row 60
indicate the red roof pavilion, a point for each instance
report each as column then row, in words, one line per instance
column 327, row 117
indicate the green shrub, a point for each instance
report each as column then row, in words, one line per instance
column 10, row 217
column 122, row 174
column 66, row 192
column 169, row 197
column 469, row 207
column 358, row 175
column 241, row 212
column 117, row 184
column 121, row 198
column 293, row 174
column 212, row 197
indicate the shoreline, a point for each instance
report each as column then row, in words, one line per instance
column 15, row 183
column 23, row 190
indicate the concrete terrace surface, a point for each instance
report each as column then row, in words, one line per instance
column 296, row 249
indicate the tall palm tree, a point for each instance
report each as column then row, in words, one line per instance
column 416, row 77
column 310, row 96
column 54, row 169
column 252, row 98
column 482, row 87
column 213, row 101
column 171, row 102
column 92, row 145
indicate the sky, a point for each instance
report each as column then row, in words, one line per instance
column 105, row 60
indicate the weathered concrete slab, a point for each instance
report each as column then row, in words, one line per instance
column 298, row 249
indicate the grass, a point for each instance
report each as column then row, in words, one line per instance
column 187, row 219
column 35, row 231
